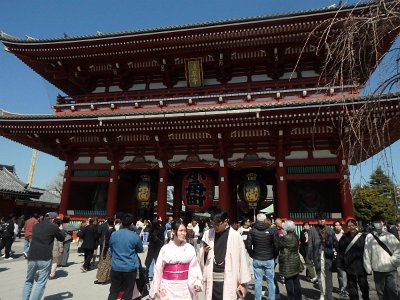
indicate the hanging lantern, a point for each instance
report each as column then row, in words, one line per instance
column 143, row 191
column 251, row 191
column 198, row 190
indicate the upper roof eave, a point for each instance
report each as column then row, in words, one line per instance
column 307, row 103
column 8, row 39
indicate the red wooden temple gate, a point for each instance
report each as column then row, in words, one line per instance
column 221, row 111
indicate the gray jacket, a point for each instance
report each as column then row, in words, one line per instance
column 315, row 247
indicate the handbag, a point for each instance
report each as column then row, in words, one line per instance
column 104, row 266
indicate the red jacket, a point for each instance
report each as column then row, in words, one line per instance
column 28, row 227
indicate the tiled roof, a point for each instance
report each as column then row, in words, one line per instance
column 101, row 35
column 9, row 182
column 277, row 105
column 48, row 197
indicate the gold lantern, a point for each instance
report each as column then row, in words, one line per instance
column 251, row 190
column 143, row 190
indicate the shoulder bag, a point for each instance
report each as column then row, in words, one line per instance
column 383, row 245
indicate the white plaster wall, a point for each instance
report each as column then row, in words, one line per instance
column 126, row 159
column 138, row 87
column 265, row 155
column 238, row 79
column 83, row 160
column 178, row 158
column 323, row 154
column 156, row 85
column 114, row 88
column 99, row 89
column 207, row 157
column 297, row 155
column 101, row 160
column 260, row 77
column 211, row 81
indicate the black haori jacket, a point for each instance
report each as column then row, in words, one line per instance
column 262, row 242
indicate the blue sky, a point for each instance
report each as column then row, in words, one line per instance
column 23, row 91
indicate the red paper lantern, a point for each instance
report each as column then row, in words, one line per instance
column 198, row 190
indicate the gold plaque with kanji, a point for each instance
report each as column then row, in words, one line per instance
column 194, row 72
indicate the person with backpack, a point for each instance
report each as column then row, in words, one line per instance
column 382, row 258
column 262, row 244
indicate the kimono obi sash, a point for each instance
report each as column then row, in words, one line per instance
column 176, row 271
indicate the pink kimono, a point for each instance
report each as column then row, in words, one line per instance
column 173, row 266
column 236, row 266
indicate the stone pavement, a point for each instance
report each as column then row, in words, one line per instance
column 71, row 283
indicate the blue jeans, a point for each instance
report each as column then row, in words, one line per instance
column 151, row 269
column 262, row 267
column 27, row 245
column 42, row 267
column 340, row 280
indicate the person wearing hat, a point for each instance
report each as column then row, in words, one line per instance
column 320, row 251
column 40, row 256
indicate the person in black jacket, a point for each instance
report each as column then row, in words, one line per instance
column 104, row 267
column 7, row 237
column 350, row 259
column 156, row 241
column 90, row 236
column 262, row 243
column 103, row 230
column 40, row 255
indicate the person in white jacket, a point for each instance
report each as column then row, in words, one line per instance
column 382, row 258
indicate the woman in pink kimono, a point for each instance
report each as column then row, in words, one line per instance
column 177, row 274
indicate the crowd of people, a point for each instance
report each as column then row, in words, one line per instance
column 214, row 256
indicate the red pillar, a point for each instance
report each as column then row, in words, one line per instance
column 346, row 201
column 224, row 195
column 162, row 193
column 112, row 191
column 66, row 189
column 281, row 182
